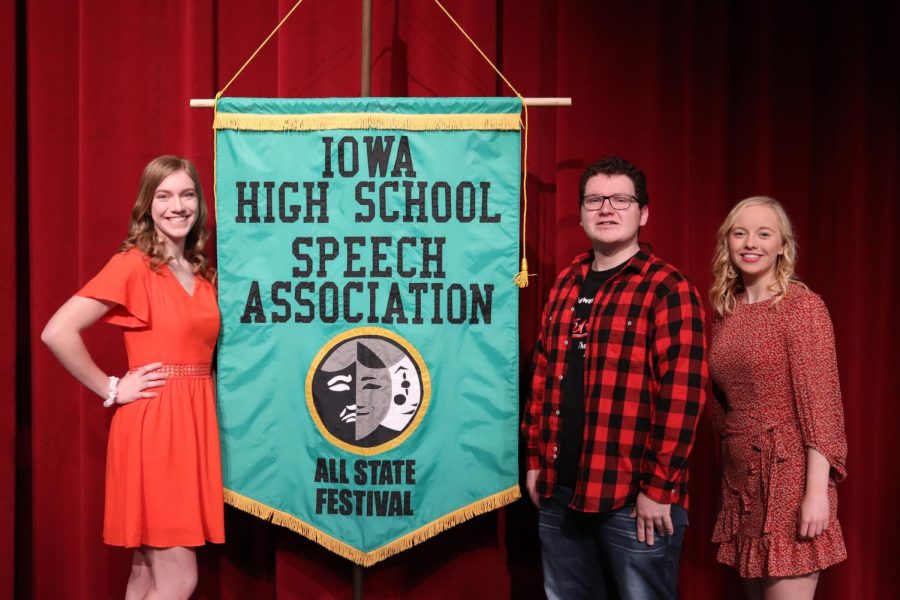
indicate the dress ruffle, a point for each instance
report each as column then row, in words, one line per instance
column 772, row 553
column 728, row 521
column 781, row 555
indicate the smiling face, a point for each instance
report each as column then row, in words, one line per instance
column 755, row 243
column 174, row 208
column 612, row 230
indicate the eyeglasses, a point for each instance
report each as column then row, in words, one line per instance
column 617, row 201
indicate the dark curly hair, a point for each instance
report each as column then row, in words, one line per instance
column 616, row 165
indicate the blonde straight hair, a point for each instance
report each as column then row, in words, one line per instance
column 727, row 282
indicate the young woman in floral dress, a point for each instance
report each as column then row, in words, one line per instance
column 777, row 408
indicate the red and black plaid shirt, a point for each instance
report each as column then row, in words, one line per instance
column 645, row 375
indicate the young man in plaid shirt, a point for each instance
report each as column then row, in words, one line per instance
column 619, row 382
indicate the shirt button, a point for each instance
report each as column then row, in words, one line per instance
column 557, row 412
column 573, row 308
column 560, row 377
column 565, row 342
column 555, row 449
column 629, row 323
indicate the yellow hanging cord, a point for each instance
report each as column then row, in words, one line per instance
column 261, row 46
column 521, row 278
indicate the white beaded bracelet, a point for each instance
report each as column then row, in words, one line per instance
column 113, row 391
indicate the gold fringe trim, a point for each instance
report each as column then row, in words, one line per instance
column 367, row 559
column 318, row 122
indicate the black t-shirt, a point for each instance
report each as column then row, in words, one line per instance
column 571, row 416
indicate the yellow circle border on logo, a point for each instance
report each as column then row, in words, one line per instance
column 423, row 405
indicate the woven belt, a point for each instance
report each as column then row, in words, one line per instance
column 182, row 369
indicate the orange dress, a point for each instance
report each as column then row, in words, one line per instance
column 163, row 467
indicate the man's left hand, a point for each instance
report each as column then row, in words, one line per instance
column 651, row 517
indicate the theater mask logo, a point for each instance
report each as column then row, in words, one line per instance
column 367, row 390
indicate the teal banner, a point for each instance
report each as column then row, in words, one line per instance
column 368, row 361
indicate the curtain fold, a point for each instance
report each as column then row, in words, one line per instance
column 716, row 101
column 9, row 227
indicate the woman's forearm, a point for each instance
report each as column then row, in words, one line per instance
column 62, row 334
column 817, row 471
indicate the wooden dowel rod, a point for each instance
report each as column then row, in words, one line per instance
column 365, row 84
column 209, row 102
column 548, row 101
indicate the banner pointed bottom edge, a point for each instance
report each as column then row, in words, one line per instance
column 367, row 559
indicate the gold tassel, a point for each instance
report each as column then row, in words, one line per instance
column 521, row 278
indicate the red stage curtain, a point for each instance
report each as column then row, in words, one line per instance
column 716, row 101
column 9, row 343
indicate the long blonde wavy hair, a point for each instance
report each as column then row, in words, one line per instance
column 141, row 230
column 727, row 282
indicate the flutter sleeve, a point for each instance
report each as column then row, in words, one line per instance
column 123, row 281
column 814, row 377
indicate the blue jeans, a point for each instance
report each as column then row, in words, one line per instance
column 597, row 555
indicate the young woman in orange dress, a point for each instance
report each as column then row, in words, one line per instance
column 163, row 470
column 778, row 409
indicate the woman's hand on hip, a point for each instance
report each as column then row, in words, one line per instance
column 139, row 384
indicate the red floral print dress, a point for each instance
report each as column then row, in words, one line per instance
column 778, row 394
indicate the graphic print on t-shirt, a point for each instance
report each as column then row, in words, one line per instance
column 582, row 321
column 579, row 328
